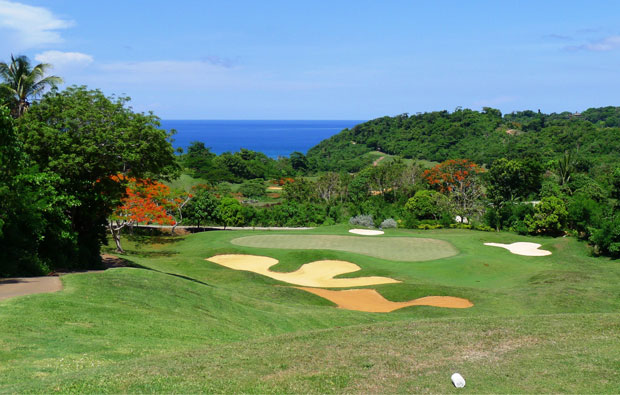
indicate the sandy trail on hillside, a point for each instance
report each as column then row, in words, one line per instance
column 522, row 248
column 370, row 300
column 366, row 232
column 19, row 286
column 313, row 274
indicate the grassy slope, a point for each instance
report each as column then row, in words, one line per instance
column 536, row 321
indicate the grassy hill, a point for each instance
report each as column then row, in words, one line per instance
column 479, row 136
column 178, row 323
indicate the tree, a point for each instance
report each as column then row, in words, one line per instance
column 549, row 217
column 202, row 209
column 299, row 161
column 299, row 191
column 459, row 180
column 509, row 181
column 427, row 204
column 34, row 231
column 85, row 138
column 230, row 212
column 199, row 159
column 253, row 188
column 144, row 202
column 23, row 82
column 328, row 186
column 565, row 167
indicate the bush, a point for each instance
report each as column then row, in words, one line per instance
column 429, row 226
column 389, row 223
column 427, row 205
column 253, row 188
column 362, row 220
column 549, row 217
column 606, row 239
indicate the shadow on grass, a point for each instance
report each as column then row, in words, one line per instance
column 138, row 266
column 145, row 239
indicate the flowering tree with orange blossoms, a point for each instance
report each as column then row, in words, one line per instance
column 458, row 179
column 145, row 202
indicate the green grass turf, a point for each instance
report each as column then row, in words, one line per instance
column 404, row 249
column 182, row 324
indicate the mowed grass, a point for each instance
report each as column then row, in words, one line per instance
column 183, row 324
column 405, row 249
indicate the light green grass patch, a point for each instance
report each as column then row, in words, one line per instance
column 402, row 249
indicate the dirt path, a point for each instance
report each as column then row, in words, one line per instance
column 20, row 286
column 11, row 287
column 376, row 162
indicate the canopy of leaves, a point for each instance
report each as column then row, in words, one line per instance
column 480, row 136
column 85, row 138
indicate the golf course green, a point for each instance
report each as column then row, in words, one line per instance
column 405, row 249
column 174, row 322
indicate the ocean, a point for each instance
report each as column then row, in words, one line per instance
column 273, row 138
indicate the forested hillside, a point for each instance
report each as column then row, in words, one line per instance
column 480, row 136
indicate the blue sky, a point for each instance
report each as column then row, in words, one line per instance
column 325, row 59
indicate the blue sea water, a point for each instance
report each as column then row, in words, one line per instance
column 273, row 138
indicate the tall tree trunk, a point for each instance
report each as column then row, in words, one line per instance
column 116, row 235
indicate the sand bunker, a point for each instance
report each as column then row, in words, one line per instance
column 314, row 274
column 371, row 301
column 366, row 232
column 522, row 248
column 274, row 188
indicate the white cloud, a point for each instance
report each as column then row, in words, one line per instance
column 606, row 44
column 64, row 60
column 31, row 26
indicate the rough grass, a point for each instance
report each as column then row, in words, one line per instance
column 404, row 249
column 182, row 324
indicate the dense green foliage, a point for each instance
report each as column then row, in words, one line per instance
column 34, row 229
column 232, row 167
column 57, row 176
column 480, row 136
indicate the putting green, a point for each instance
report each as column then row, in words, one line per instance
column 404, row 249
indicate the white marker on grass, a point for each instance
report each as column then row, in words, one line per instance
column 458, row 380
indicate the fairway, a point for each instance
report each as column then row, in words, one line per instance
column 402, row 249
column 177, row 323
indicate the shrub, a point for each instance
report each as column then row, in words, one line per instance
column 606, row 239
column 429, row 226
column 427, row 205
column 549, row 217
column 362, row 220
column 253, row 188
column 389, row 223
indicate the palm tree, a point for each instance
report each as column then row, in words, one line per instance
column 23, row 82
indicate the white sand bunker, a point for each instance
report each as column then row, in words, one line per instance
column 366, row 232
column 314, row 274
column 372, row 301
column 522, row 248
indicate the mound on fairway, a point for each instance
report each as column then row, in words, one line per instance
column 366, row 232
column 314, row 274
column 370, row 300
column 522, row 248
column 403, row 249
